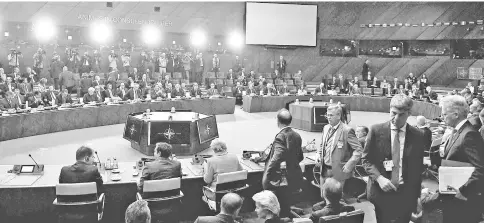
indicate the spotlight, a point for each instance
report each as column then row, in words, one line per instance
column 44, row 29
column 151, row 34
column 124, row 40
column 219, row 43
column 197, row 38
column 100, row 32
column 6, row 34
column 235, row 40
column 69, row 37
column 174, row 42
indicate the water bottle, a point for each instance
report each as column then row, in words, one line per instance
column 108, row 164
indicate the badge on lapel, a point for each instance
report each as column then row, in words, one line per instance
column 340, row 144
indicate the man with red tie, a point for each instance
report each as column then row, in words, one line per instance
column 50, row 96
column 134, row 93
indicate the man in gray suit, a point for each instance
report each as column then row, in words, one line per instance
column 340, row 149
column 164, row 167
column 229, row 209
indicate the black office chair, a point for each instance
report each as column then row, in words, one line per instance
column 78, row 202
column 163, row 197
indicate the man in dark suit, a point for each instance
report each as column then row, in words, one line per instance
column 8, row 85
column 286, row 148
column 177, row 91
column 83, row 171
column 24, row 86
column 340, row 149
column 90, row 96
column 342, row 83
column 393, row 158
column 64, row 98
column 195, row 91
column 109, row 92
column 281, row 65
column 199, row 68
column 212, row 91
column 366, row 69
column 164, row 167
column 429, row 94
column 66, row 79
column 50, row 96
column 361, row 133
column 474, row 116
column 19, row 98
column 36, row 100
column 134, row 93
column 122, row 92
column 99, row 94
column 333, row 84
column 8, row 102
column 464, row 145
column 85, row 84
column 320, row 90
column 229, row 209
column 422, row 125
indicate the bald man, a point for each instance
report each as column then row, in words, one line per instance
column 473, row 118
column 229, row 209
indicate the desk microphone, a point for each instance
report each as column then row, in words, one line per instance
column 34, row 161
column 98, row 158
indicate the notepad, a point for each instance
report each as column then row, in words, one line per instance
column 454, row 177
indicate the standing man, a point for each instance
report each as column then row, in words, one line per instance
column 361, row 133
column 39, row 58
column 55, row 69
column 281, row 65
column 215, row 63
column 285, row 154
column 340, row 150
column 393, row 158
column 113, row 61
column 464, row 145
column 199, row 68
column 366, row 69
column 237, row 65
column 67, row 80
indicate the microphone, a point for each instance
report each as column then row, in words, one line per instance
column 34, row 161
column 97, row 157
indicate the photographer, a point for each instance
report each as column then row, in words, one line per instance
column 113, row 61
column 39, row 58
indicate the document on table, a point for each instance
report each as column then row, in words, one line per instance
column 454, row 177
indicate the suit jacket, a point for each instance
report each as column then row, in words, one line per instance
column 283, row 90
column 378, row 148
column 220, row 218
column 175, row 93
column 342, row 83
column 364, row 71
column 99, row 96
column 4, row 87
column 428, row 136
column 475, row 122
column 86, row 83
column 218, row 164
column 130, row 94
column 319, row 90
column 5, row 105
column 467, row 146
column 194, row 92
column 348, row 155
column 67, row 79
column 48, row 98
column 285, row 148
column 120, row 94
column 107, row 95
column 81, row 172
column 160, row 169
column 25, row 88
column 35, row 103
column 199, row 65
column 331, row 209
column 90, row 98
column 281, row 66
column 64, row 100
column 270, row 91
column 19, row 97
column 211, row 92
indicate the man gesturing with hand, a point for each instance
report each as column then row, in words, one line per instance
column 393, row 157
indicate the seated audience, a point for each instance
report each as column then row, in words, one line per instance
column 251, row 90
column 270, row 90
column 332, row 194
column 267, row 207
column 36, row 100
column 50, row 96
column 138, row 212
column 229, row 210
column 429, row 94
column 196, row 92
column 320, row 90
column 19, row 98
column 83, row 171
column 122, row 92
column 90, row 96
column 8, row 102
column 64, row 98
column 134, row 93
column 221, row 162
column 99, row 93
column 361, row 132
column 109, row 93
column 164, row 167
column 85, row 84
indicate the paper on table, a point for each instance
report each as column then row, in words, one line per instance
column 453, row 176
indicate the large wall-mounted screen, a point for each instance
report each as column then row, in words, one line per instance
column 281, row 24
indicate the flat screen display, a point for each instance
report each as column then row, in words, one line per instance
column 170, row 132
column 207, row 129
column 27, row 169
column 281, row 24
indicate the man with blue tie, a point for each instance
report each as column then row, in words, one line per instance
column 393, row 158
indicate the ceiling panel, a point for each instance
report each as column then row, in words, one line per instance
column 12, row 11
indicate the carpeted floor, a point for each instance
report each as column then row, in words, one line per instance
column 240, row 131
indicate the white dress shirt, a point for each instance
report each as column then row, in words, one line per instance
column 401, row 137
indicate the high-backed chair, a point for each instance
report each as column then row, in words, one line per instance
column 357, row 216
column 163, row 197
column 78, row 202
column 232, row 182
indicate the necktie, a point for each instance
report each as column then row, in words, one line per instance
column 110, row 94
column 327, row 158
column 135, row 96
column 25, row 88
column 19, row 101
column 396, row 157
column 53, row 96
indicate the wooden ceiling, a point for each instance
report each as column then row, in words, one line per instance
column 217, row 18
